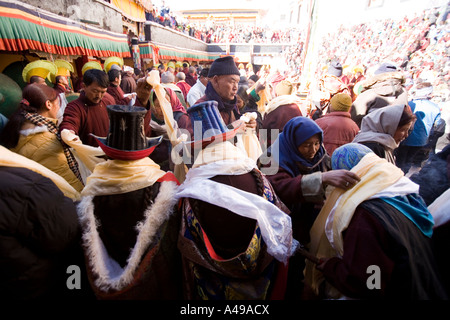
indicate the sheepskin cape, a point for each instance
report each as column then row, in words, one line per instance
column 148, row 273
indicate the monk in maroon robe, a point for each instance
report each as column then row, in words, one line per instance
column 114, row 88
column 88, row 113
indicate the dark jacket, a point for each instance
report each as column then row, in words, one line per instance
column 434, row 177
column 39, row 236
column 404, row 256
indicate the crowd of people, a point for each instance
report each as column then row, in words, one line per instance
column 416, row 44
column 213, row 31
column 223, row 183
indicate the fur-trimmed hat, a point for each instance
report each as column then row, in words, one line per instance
column 223, row 66
column 341, row 102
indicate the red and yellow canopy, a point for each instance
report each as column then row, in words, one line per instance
column 28, row 28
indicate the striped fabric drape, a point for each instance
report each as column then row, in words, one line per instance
column 23, row 27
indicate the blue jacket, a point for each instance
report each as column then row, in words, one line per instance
column 428, row 115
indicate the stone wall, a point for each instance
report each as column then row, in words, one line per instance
column 101, row 13
column 164, row 35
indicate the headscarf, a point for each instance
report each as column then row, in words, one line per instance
column 411, row 205
column 380, row 126
column 347, row 157
column 295, row 132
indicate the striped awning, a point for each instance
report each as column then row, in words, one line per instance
column 156, row 52
column 24, row 27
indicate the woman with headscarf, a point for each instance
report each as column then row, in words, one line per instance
column 297, row 166
column 383, row 129
column 373, row 240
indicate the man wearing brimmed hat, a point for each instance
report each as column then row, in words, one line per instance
column 129, row 217
column 222, row 87
column 338, row 127
column 230, row 246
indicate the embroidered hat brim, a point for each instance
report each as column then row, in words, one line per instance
column 225, row 136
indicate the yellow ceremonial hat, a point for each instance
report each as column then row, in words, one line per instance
column 179, row 64
column 64, row 69
column 109, row 62
column 358, row 69
column 91, row 65
column 40, row 68
column 171, row 64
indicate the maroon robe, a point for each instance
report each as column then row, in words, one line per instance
column 128, row 84
column 185, row 87
column 117, row 93
column 85, row 118
column 338, row 129
column 59, row 88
